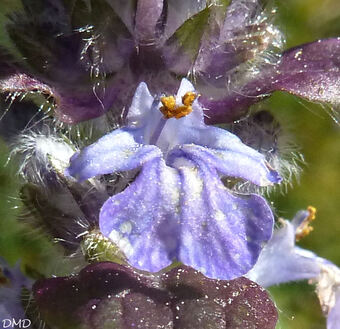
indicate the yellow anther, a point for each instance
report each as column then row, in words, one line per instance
column 171, row 110
column 312, row 213
column 169, row 105
column 304, row 229
column 189, row 98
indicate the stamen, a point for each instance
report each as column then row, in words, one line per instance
column 304, row 228
column 171, row 110
column 189, row 98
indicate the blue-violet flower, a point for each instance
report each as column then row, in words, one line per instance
column 177, row 208
column 282, row 261
column 11, row 283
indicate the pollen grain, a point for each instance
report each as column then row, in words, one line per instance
column 171, row 110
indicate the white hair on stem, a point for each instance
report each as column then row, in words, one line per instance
column 42, row 153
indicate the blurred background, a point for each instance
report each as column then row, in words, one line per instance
column 313, row 131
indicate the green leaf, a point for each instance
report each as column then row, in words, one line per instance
column 189, row 35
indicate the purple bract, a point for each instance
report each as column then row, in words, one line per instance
column 90, row 57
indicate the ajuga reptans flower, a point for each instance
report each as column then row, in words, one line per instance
column 282, row 261
column 177, row 208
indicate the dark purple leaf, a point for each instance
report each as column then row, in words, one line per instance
column 311, row 71
column 107, row 295
column 203, row 303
